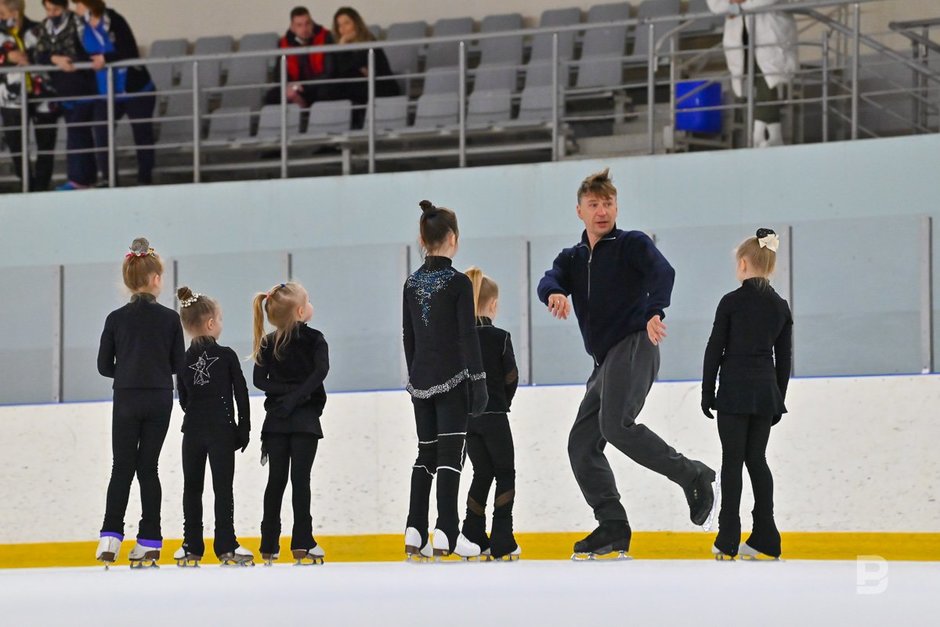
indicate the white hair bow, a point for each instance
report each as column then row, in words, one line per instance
column 771, row 241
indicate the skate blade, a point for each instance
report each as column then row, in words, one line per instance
column 417, row 558
column 716, row 490
column 187, row 563
column 721, row 557
column 613, row 556
column 506, row 558
column 143, row 564
column 760, row 557
column 237, row 563
column 305, row 559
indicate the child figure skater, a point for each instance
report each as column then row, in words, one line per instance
column 141, row 349
column 290, row 366
column 211, row 377
column 489, row 438
column 446, row 382
column 751, row 343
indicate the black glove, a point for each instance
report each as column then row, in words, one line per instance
column 243, row 434
column 479, row 397
column 708, row 402
column 776, row 419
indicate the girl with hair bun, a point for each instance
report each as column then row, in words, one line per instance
column 290, row 366
column 141, row 349
column 751, row 344
column 446, row 381
column 489, row 438
column 211, row 377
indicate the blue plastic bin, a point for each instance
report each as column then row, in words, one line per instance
column 698, row 121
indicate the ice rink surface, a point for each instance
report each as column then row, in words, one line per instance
column 531, row 593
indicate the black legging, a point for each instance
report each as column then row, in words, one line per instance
column 744, row 442
column 490, row 447
column 289, row 456
column 140, row 421
column 441, row 423
column 218, row 445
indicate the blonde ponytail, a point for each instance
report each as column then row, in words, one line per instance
column 476, row 279
column 258, row 326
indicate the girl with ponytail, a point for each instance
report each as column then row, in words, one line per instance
column 291, row 364
column 489, row 438
column 446, row 382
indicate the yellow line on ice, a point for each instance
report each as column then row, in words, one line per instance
column 536, row 546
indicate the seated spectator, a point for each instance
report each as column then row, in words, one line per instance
column 18, row 37
column 349, row 28
column 303, row 68
column 60, row 44
column 107, row 38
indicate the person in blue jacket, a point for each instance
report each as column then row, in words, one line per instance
column 620, row 285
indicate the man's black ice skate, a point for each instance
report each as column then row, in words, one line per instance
column 721, row 556
column 703, row 496
column 239, row 557
column 612, row 536
column 269, row 558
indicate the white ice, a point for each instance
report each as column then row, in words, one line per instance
column 531, row 593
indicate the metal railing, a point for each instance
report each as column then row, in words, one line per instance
column 559, row 123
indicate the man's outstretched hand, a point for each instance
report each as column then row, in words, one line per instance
column 656, row 330
column 559, row 306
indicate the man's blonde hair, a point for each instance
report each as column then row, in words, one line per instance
column 598, row 184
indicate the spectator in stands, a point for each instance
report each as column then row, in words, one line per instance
column 349, row 28
column 60, row 44
column 303, row 68
column 108, row 38
column 775, row 59
column 18, row 37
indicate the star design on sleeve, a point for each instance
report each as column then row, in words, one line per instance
column 201, row 367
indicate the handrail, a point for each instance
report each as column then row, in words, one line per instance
column 905, row 25
column 456, row 39
column 917, row 38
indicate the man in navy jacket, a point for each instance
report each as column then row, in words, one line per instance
column 620, row 285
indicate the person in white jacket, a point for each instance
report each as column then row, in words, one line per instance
column 775, row 58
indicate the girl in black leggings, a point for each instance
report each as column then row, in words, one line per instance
column 446, row 381
column 751, row 343
column 141, row 349
column 290, row 366
column 489, row 438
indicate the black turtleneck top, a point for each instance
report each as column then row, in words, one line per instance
column 499, row 363
column 141, row 345
column 751, row 343
column 439, row 330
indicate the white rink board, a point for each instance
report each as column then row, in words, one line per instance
column 854, row 454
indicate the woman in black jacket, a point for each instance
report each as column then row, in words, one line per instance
column 349, row 28
column 446, row 381
column 290, row 366
column 751, row 343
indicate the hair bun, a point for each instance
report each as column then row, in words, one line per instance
column 764, row 233
column 427, row 206
column 184, row 293
column 140, row 246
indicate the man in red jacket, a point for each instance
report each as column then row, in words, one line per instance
column 302, row 68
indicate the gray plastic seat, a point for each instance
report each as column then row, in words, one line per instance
column 608, row 41
column 535, row 104
column 702, row 26
column 177, row 131
column 164, row 75
column 269, row 122
column 502, row 50
column 600, row 72
column 442, row 80
column 489, row 108
column 329, row 117
column 404, row 59
column 210, row 72
column 539, row 74
column 444, row 54
column 641, row 42
column 250, row 71
column 436, row 111
column 376, row 31
column 542, row 43
column 255, row 42
column 391, row 114
column 490, row 78
column 230, row 124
